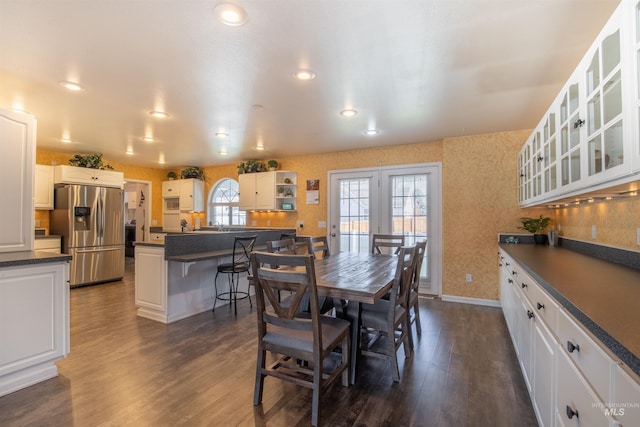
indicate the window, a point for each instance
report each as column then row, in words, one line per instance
column 223, row 204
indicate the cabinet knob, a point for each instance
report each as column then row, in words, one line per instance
column 571, row 347
column 578, row 123
column 540, row 306
column 507, row 264
column 510, row 281
column 524, row 285
column 571, row 413
column 530, row 314
column 540, row 158
column 513, row 272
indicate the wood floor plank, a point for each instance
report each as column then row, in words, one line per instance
column 127, row 371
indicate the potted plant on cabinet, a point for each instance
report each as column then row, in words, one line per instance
column 91, row 161
column 171, row 175
column 192, row 172
column 537, row 227
column 280, row 191
column 272, row 165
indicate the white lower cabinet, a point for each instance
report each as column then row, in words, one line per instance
column 573, row 380
column 34, row 323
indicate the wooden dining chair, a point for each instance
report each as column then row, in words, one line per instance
column 242, row 247
column 302, row 344
column 298, row 246
column 381, row 241
column 387, row 319
column 414, row 302
column 319, row 245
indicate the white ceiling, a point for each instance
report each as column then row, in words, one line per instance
column 416, row 70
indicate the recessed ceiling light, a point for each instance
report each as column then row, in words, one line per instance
column 66, row 140
column 222, row 134
column 71, row 85
column 130, row 152
column 304, row 75
column 147, row 138
column 371, row 132
column 260, row 147
column 348, row 113
column 231, row 14
column 223, row 152
column 158, row 114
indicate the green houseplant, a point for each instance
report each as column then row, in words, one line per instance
column 537, row 227
column 272, row 164
column 91, row 161
column 192, row 172
column 171, row 175
column 251, row 166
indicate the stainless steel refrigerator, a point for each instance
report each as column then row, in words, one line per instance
column 90, row 220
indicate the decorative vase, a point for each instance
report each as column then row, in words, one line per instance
column 540, row 239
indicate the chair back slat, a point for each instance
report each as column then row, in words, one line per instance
column 421, row 248
column 380, row 241
column 402, row 278
column 242, row 247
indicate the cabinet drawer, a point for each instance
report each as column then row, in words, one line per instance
column 625, row 405
column 576, row 403
column 545, row 307
column 586, row 354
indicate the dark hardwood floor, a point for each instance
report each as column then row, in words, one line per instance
column 128, row 371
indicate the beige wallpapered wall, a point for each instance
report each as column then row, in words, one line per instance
column 479, row 201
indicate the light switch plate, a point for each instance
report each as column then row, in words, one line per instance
column 638, row 236
column 593, row 231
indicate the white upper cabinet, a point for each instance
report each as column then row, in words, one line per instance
column 587, row 142
column 17, row 163
column 65, row 174
column 268, row 191
column 43, row 189
column 183, row 195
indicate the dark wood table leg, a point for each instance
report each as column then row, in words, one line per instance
column 355, row 344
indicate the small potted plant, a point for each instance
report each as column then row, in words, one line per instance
column 536, row 226
column 91, row 161
column 272, row 165
column 280, row 191
column 171, row 175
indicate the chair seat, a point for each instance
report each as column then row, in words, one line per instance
column 375, row 315
column 332, row 329
column 230, row 268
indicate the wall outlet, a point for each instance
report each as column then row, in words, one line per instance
column 300, row 224
column 154, row 222
column 593, row 231
column 268, row 223
column 469, row 278
column 638, row 236
column 254, row 223
column 37, row 223
column 322, row 224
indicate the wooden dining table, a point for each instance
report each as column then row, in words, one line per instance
column 359, row 277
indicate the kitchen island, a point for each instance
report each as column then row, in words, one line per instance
column 34, row 317
column 175, row 279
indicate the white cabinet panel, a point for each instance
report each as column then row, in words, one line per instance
column 65, row 174
column 268, row 191
column 17, row 163
column 43, row 187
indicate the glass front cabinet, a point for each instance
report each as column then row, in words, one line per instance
column 588, row 139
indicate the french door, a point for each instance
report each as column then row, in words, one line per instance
column 392, row 200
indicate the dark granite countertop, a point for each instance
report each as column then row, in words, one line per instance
column 13, row 259
column 48, row 236
column 602, row 295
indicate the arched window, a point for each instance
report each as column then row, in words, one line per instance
column 223, row 204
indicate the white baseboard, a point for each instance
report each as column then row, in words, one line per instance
column 474, row 301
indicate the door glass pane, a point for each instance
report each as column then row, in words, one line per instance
column 564, row 114
column 564, row 140
column 593, row 114
column 613, row 149
column 552, row 124
column 574, row 132
column 612, row 98
column 354, row 214
column 593, row 73
column 553, row 181
column 574, row 98
column 575, row 165
column 409, row 210
column 610, row 53
column 552, row 150
column 565, row 170
column 595, row 155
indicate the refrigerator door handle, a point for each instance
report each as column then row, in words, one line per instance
column 88, row 251
column 100, row 215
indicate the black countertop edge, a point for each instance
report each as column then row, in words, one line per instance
column 626, row 356
column 48, row 236
column 14, row 259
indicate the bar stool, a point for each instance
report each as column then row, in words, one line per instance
column 242, row 247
